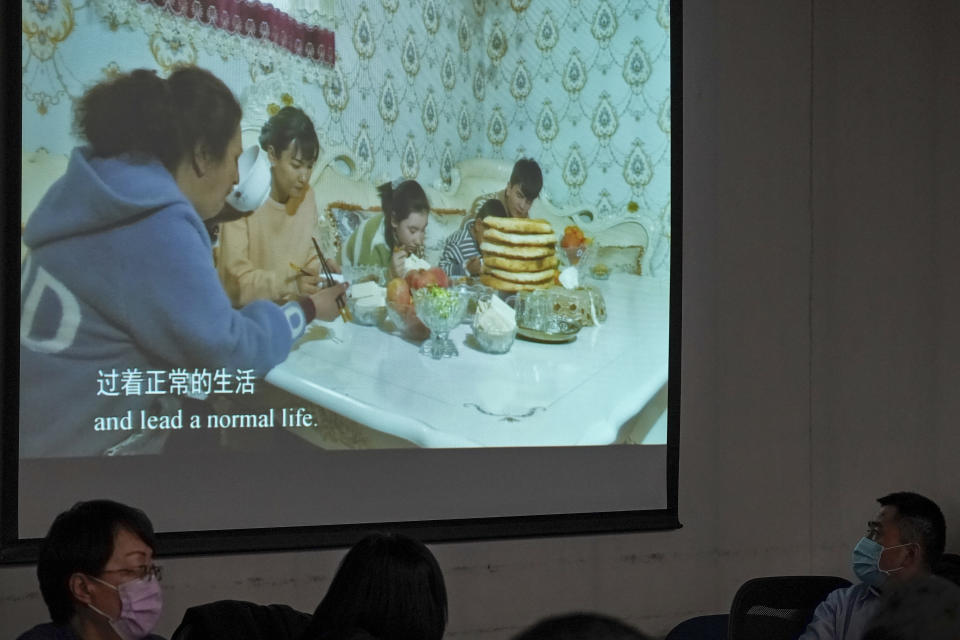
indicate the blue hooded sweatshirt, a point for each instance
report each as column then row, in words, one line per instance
column 120, row 278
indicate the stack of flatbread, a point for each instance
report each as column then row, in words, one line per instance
column 518, row 254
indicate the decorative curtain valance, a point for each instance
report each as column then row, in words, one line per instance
column 230, row 29
column 253, row 19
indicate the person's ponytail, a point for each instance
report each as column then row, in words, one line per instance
column 386, row 203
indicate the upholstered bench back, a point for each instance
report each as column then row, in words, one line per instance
column 344, row 218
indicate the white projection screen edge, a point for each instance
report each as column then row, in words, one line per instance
column 279, row 492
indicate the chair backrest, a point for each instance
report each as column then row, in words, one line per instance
column 710, row 627
column 240, row 620
column 778, row 607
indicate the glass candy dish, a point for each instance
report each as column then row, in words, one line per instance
column 558, row 310
column 441, row 310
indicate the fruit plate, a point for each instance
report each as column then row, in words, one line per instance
column 548, row 338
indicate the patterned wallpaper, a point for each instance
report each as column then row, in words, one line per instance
column 400, row 96
column 580, row 85
column 583, row 86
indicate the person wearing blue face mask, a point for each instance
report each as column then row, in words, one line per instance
column 903, row 543
column 97, row 575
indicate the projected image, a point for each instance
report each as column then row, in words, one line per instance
column 436, row 225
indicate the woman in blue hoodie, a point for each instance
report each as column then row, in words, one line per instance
column 122, row 312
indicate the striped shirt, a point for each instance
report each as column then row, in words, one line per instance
column 459, row 248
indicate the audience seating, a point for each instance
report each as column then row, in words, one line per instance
column 711, row 627
column 778, row 608
column 239, row 620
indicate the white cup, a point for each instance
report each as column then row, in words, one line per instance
column 254, row 186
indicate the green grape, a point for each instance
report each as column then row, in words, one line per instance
column 444, row 302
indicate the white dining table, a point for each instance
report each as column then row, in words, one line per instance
column 576, row 393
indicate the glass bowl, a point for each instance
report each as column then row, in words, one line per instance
column 365, row 315
column 494, row 342
column 363, row 272
column 441, row 310
column 474, row 292
column 489, row 336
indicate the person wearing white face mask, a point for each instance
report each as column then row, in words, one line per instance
column 903, row 542
column 97, row 575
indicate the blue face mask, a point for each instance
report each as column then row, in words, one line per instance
column 866, row 561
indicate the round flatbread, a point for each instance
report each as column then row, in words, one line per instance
column 518, row 225
column 529, row 239
column 513, row 251
column 523, row 276
column 504, row 285
column 520, row 264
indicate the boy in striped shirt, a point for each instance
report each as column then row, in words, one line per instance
column 461, row 252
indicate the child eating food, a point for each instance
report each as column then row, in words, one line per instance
column 387, row 240
column 461, row 252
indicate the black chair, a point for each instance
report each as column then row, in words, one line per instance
column 711, row 627
column 240, row 620
column 778, row 608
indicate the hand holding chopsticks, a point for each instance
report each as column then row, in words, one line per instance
column 340, row 299
column 307, row 278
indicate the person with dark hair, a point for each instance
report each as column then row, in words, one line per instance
column 526, row 181
column 902, row 544
column 580, row 626
column 120, row 299
column 97, row 576
column 387, row 239
column 927, row 608
column 461, row 253
column 389, row 586
column 256, row 252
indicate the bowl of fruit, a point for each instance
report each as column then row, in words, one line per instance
column 400, row 305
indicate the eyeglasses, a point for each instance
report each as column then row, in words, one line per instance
column 143, row 572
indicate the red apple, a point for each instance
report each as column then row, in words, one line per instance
column 440, row 276
column 418, row 278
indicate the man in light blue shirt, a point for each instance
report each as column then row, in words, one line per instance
column 904, row 541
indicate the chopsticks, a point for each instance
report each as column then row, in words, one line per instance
column 341, row 303
column 299, row 269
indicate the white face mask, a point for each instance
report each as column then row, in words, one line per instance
column 141, row 602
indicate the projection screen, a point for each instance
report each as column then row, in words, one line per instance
column 575, row 428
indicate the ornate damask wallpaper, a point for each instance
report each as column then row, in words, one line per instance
column 583, row 86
